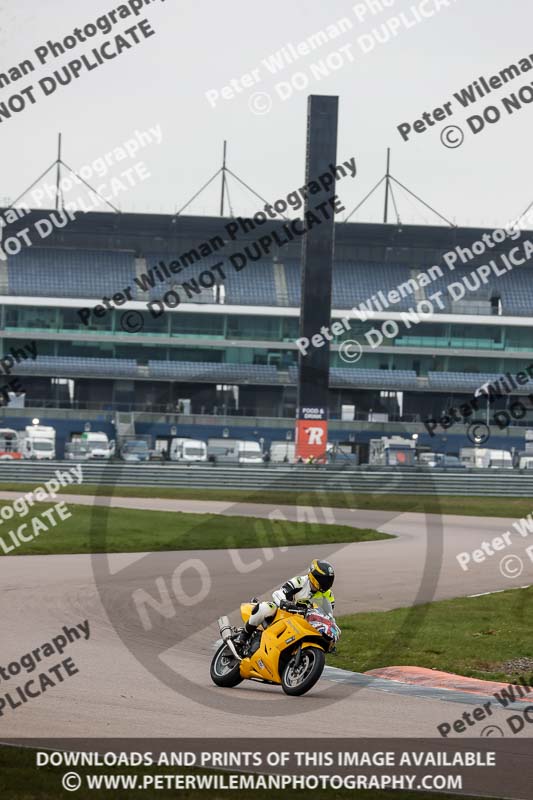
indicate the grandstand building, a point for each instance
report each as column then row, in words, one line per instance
column 229, row 345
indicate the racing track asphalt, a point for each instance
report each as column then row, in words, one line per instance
column 115, row 695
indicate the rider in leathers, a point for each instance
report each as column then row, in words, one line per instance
column 314, row 586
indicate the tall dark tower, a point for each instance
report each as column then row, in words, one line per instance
column 316, row 275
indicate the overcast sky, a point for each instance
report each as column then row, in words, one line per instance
column 200, row 45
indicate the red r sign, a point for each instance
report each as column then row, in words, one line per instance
column 311, row 439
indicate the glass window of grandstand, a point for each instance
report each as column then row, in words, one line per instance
column 357, row 329
column 71, row 320
column 488, row 337
column 150, row 325
column 368, row 361
column 206, row 354
column 44, row 348
column 142, row 354
column 290, row 328
column 253, row 327
column 86, row 350
column 34, row 317
column 519, row 339
column 420, row 364
column 197, row 325
column 424, row 335
column 287, row 358
column 281, row 359
column 244, row 355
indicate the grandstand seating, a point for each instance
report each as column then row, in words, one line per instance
column 40, row 272
column 128, row 367
column 354, row 282
column 353, row 377
column 254, row 285
column 205, row 371
column 469, row 381
column 378, row 378
column 192, row 371
column 249, row 347
column 50, row 272
column 187, row 274
column 75, row 365
column 515, row 289
column 293, row 280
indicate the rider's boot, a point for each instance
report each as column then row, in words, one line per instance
column 244, row 636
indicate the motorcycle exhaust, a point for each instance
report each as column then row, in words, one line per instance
column 225, row 631
column 225, row 628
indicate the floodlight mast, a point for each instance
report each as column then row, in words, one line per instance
column 387, row 186
column 58, row 173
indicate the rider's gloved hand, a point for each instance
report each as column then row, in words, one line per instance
column 286, row 605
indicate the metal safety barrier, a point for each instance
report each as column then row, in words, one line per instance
column 371, row 480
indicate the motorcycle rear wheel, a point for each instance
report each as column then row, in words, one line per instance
column 225, row 669
column 298, row 681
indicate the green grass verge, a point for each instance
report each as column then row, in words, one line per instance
column 96, row 529
column 445, row 504
column 20, row 779
column 467, row 636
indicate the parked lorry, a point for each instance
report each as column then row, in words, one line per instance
column 523, row 459
column 392, row 451
column 38, row 442
column 486, row 458
column 188, row 450
column 9, row 445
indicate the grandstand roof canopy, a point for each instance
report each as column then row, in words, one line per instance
column 148, row 232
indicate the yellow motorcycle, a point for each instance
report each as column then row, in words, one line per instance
column 290, row 650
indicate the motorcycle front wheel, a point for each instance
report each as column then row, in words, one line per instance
column 225, row 669
column 296, row 680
